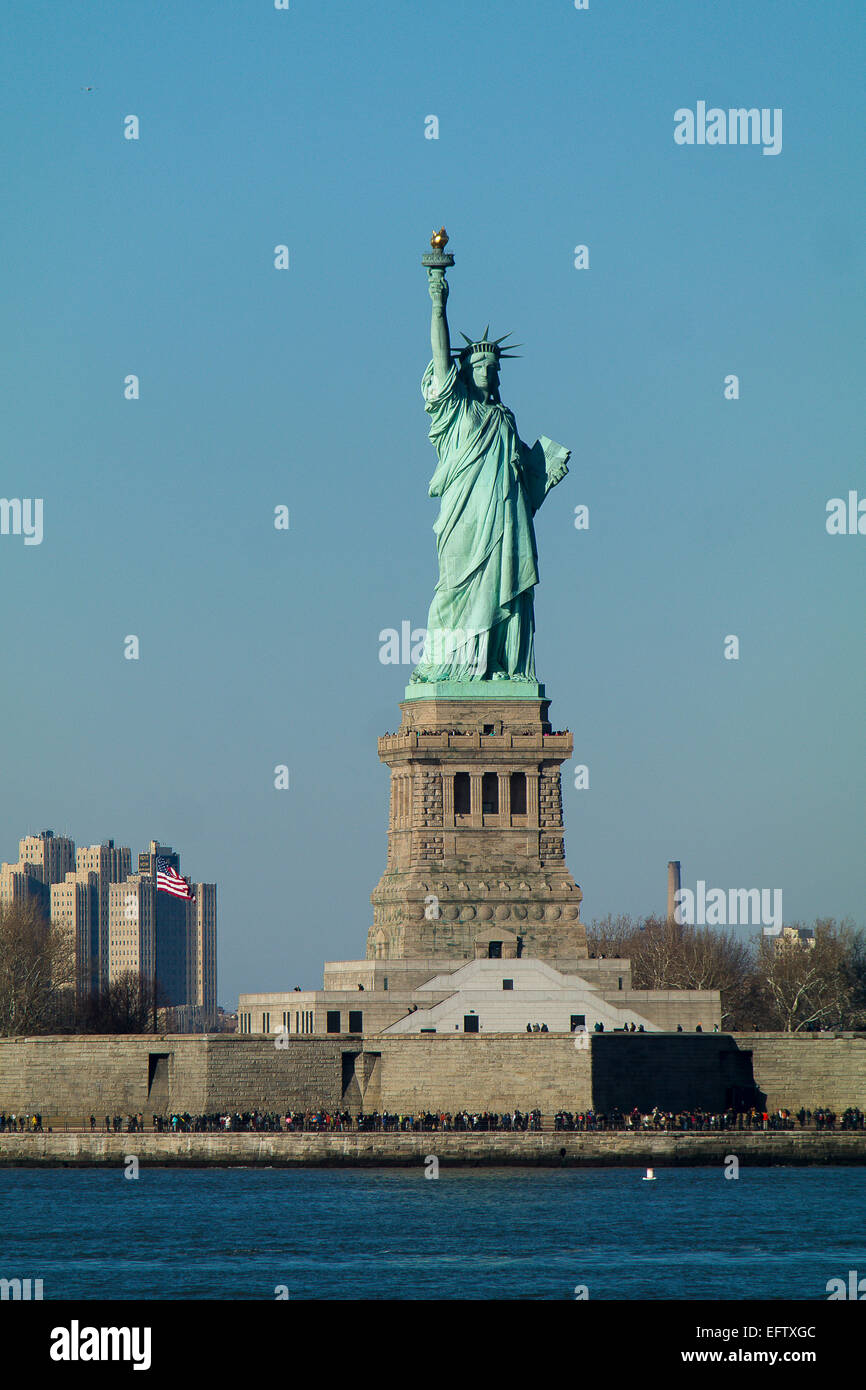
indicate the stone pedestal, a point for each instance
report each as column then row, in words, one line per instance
column 476, row 865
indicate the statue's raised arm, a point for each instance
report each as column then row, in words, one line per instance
column 440, row 338
column 437, row 261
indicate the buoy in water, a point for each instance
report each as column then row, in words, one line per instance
column 650, row 1176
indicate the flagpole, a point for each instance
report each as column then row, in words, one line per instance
column 155, row 913
column 188, row 896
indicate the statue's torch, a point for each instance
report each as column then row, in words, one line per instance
column 437, row 261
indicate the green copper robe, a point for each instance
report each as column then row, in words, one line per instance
column 481, row 623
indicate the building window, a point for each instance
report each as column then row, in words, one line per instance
column 490, row 794
column 356, row 1021
column 508, row 984
column 578, row 1021
column 620, row 981
column 266, row 1023
column 462, row 801
column 333, row 1021
column 518, row 793
column 494, row 950
column 385, row 982
column 470, row 1023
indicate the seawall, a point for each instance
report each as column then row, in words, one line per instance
column 70, row 1078
column 553, row 1150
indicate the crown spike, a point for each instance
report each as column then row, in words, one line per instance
column 485, row 344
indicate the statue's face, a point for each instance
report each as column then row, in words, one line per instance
column 485, row 374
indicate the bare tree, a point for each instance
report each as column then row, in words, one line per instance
column 674, row 955
column 37, row 972
column 812, row 986
column 123, row 1006
column 666, row 954
column 613, row 936
column 856, row 969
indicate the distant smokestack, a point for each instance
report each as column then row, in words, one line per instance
column 673, row 885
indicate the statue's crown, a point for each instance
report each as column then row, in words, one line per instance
column 484, row 346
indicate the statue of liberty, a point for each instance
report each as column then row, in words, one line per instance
column 481, row 625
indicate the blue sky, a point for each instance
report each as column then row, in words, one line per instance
column 301, row 387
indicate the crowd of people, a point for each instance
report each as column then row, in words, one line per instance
column 511, row 1122
column 115, row 1124
column 216, row 1123
column 20, row 1124
column 464, row 1121
column 694, row 1120
column 340, row 1121
column 823, row 1118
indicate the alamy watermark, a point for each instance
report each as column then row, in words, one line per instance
column 846, row 518
column 737, row 907
column 443, row 646
column 855, row 1290
column 77, row 1343
column 22, row 516
column 734, row 126
column 20, row 1289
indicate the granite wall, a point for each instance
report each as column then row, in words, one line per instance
column 71, row 1077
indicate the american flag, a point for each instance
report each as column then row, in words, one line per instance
column 170, row 881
